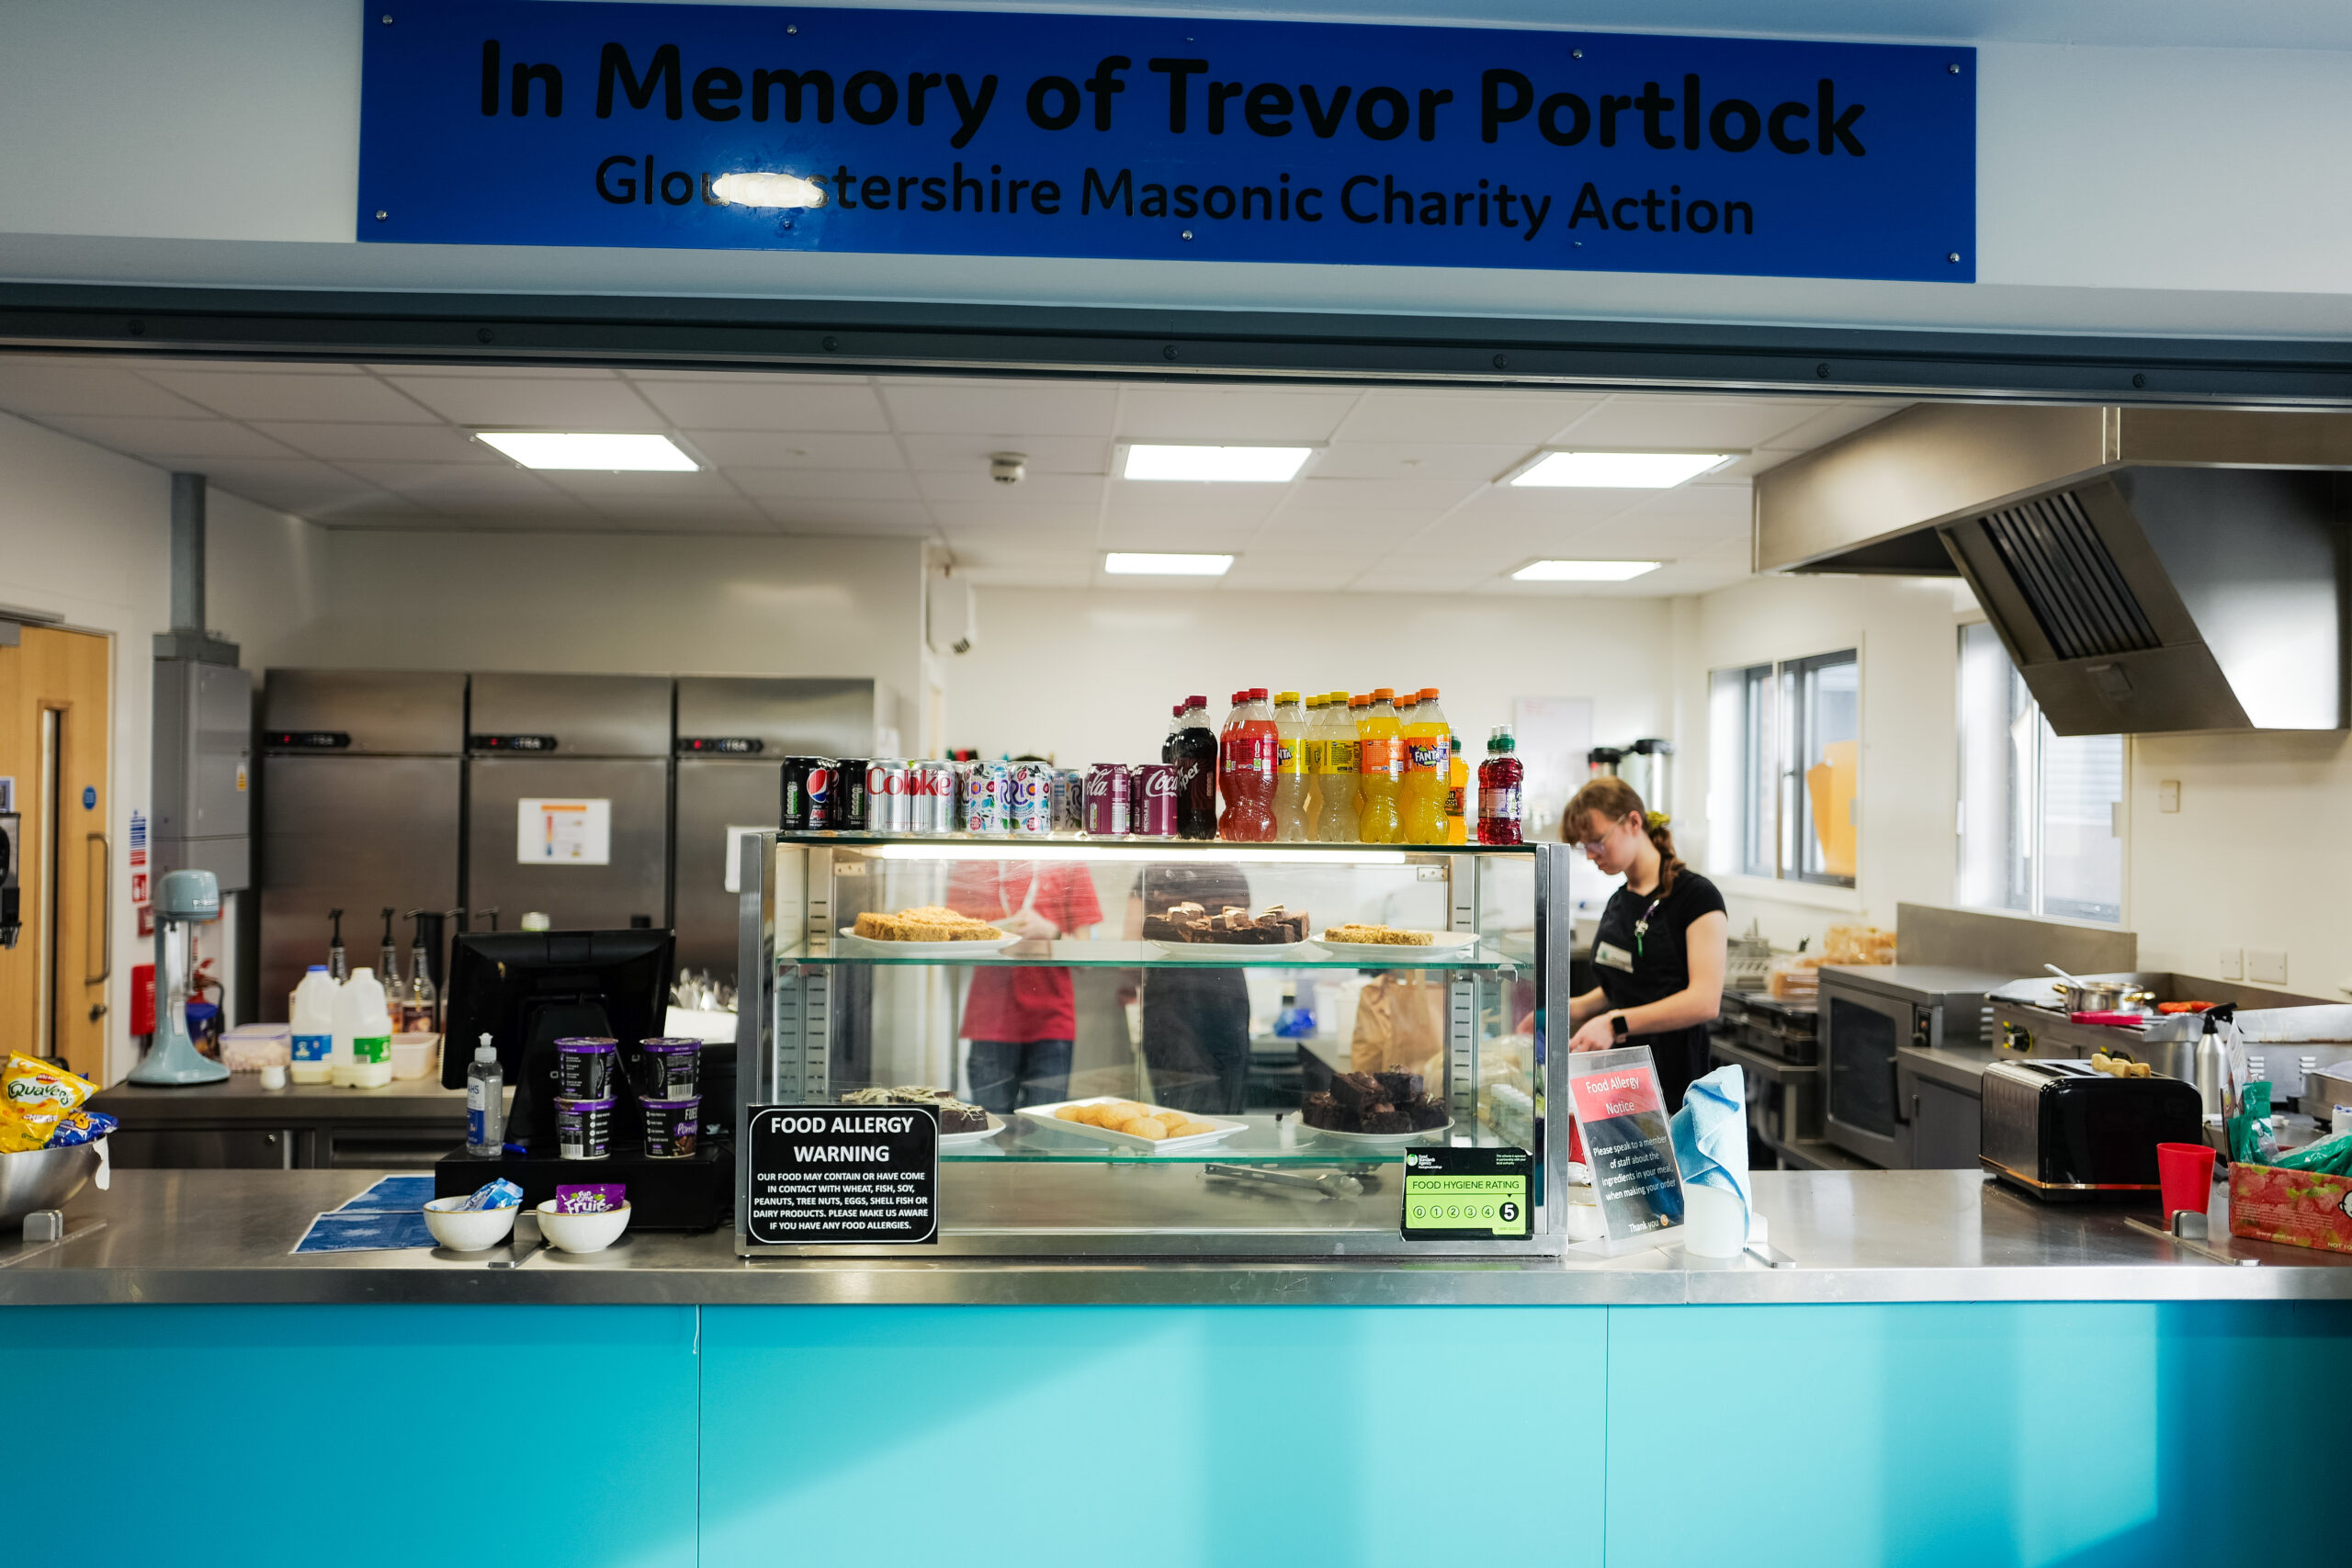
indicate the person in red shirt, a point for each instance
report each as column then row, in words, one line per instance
column 1022, row 1020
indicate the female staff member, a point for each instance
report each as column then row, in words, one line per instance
column 1660, row 947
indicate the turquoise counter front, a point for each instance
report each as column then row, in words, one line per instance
column 1253, row 1424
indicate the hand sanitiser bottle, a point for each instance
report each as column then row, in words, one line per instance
column 485, row 1103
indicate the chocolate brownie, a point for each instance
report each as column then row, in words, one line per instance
column 1318, row 1110
column 1385, row 1118
column 1425, row 1114
column 1357, row 1092
column 955, row 1116
column 1399, row 1086
column 1164, row 928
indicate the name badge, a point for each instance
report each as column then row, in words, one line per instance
column 1609, row 955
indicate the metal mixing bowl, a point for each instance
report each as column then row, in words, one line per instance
column 42, row 1178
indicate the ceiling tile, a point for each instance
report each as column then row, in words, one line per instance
column 1074, row 575
column 1427, row 496
column 506, row 403
column 1012, row 516
column 798, row 449
column 824, row 484
column 1430, row 416
column 385, row 443
column 1318, row 531
column 1415, row 460
column 1833, row 423
column 1038, row 490
column 1179, row 506
column 1229, row 538
column 1045, row 454
column 460, row 484
column 727, row 402
column 293, row 485
column 1685, row 425
column 689, row 517
column 809, row 514
column 502, row 372
column 160, row 440
column 1237, row 414
column 39, row 387
column 347, row 397
column 599, row 487
column 980, row 408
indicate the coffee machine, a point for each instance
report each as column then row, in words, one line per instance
column 184, row 899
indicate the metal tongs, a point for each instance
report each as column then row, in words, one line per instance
column 1331, row 1185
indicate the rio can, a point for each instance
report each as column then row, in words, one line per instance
column 890, row 808
column 933, row 787
column 1109, row 800
column 1032, row 799
column 1155, row 800
column 808, row 794
column 988, row 799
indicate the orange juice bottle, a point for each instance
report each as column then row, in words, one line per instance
column 1381, row 738
column 1421, row 799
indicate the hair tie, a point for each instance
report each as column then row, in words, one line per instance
column 1654, row 821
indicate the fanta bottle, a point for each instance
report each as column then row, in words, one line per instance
column 1311, row 811
column 1458, row 803
column 1381, row 769
column 1336, row 821
column 1421, row 800
column 1290, row 769
column 1249, row 751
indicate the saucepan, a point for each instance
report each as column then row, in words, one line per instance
column 2098, row 996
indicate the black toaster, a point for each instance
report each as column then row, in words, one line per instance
column 2067, row 1133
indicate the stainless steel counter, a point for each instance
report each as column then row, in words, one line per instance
column 243, row 1099
column 224, row 1236
column 238, row 1124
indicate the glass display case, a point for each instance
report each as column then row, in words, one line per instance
column 1162, row 1048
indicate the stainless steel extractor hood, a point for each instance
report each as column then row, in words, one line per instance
column 2149, row 569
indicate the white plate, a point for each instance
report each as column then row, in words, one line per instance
column 1231, row 952
column 1379, row 1139
column 958, row 1140
column 1043, row 1116
column 1450, row 944
column 869, row 946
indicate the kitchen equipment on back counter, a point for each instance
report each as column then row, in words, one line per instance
column 1787, row 1031
column 2065, row 1131
column 1867, row 1014
column 2098, row 996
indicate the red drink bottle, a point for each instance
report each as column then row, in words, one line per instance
column 1500, row 778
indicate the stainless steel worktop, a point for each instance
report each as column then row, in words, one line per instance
column 225, row 1236
column 241, row 1098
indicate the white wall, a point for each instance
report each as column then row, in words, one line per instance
column 86, row 534
column 1087, row 676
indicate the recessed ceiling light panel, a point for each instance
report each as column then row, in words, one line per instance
column 1582, row 570
column 615, row 454
column 1618, row 471
column 1124, row 563
column 1214, row 465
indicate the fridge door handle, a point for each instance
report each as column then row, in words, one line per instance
column 102, row 900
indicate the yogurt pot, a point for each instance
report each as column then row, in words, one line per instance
column 583, row 1128
column 672, row 1127
column 585, row 1068
column 672, row 1068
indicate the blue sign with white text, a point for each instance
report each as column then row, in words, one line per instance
column 1026, row 134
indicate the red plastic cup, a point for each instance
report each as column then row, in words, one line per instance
column 2185, row 1172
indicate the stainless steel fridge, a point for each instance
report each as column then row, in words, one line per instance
column 360, row 807
column 731, row 733
column 568, row 800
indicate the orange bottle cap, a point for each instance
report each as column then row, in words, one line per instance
column 1383, row 693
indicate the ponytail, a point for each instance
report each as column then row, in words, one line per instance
column 1613, row 800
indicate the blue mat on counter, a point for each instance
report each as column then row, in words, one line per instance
column 393, row 1193
column 345, row 1230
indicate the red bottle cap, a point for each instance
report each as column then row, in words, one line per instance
column 1196, row 702
column 1257, row 693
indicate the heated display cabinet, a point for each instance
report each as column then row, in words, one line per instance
column 1250, row 1042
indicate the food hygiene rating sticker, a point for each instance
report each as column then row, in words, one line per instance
column 1453, row 1194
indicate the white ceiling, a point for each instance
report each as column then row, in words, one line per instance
column 1400, row 495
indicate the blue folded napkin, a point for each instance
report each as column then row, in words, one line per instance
column 1711, row 1134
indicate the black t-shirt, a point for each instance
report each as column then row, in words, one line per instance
column 1637, row 968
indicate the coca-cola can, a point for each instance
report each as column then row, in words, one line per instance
column 933, row 794
column 890, row 803
column 850, row 812
column 1110, row 798
column 1032, row 799
column 1155, row 804
column 988, row 799
column 1070, row 801
column 808, row 794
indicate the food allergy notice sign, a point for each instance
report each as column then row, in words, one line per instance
column 844, row 1173
column 1626, row 1141
column 1031, row 134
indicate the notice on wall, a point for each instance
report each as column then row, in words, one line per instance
column 563, row 830
column 843, row 1174
column 1004, row 133
column 1451, row 1194
column 1622, row 1118
column 735, row 837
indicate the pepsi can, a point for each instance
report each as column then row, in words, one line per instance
column 1108, row 798
column 889, row 805
column 1154, row 812
column 931, row 790
column 988, row 799
column 808, row 794
column 850, row 813
column 1032, row 799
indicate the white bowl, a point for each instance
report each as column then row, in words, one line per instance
column 582, row 1233
column 468, row 1230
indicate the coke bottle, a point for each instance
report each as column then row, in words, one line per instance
column 1193, row 750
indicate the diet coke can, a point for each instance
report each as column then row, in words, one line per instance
column 808, row 794
column 890, row 808
column 1155, row 804
column 1110, row 797
column 988, row 799
column 1032, row 799
column 850, row 813
column 933, row 789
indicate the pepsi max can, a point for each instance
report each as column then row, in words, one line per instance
column 1154, row 813
column 1032, row 799
column 890, row 803
column 1070, row 801
column 850, row 812
column 988, row 799
column 808, row 794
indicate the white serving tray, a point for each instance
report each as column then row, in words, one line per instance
column 958, row 1140
column 1043, row 1116
column 866, row 946
column 1453, row 944
column 1380, row 1140
column 1238, row 951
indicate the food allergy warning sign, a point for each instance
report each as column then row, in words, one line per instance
column 1029, row 134
column 1626, row 1142
column 844, row 1173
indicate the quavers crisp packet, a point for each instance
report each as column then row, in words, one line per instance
column 27, row 1083
column 24, row 1131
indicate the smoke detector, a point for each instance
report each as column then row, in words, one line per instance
column 1008, row 468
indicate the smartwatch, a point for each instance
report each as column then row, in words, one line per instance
column 1617, row 1026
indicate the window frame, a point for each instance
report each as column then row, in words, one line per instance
column 1771, row 812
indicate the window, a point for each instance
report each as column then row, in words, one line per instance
column 1785, row 764
column 2036, row 810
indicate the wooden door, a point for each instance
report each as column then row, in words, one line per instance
column 55, row 731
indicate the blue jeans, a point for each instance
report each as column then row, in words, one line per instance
column 1008, row 1074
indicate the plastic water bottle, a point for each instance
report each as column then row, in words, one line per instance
column 485, row 1106
column 313, row 1028
column 363, row 1033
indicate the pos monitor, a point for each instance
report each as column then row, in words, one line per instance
column 528, row 990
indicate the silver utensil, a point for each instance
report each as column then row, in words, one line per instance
column 2215, row 1253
